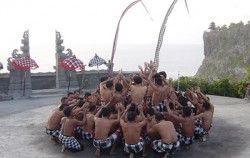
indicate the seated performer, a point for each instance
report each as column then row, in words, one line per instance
column 206, row 117
column 186, row 136
column 53, row 125
column 88, row 129
column 131, row 131
column 103, row 126
column 66, row 136
column 168, row 142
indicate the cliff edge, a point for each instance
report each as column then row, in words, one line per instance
column 227, row 52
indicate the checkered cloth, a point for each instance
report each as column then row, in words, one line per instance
column 72, row 63
column 54, row 133
column 160, row 107
column 198, row 121
column 24, row 63
column 69, row 142
column 200, row 131
column 161, row 147
column 96, row 61
column 134, row 148
column 88, row 135
column 1, row 66
column 107, row 142
column 185, row 140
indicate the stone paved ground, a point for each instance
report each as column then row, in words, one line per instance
column 23, row 133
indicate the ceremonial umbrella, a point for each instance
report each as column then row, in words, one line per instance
column 72, row 64
column 97, row 61
column 24, row 63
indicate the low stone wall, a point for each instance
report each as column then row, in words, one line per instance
column 86, row 80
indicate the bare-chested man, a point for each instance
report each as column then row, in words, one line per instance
column 159, row 91
column 186, row 137
column 106, row 91
column 168, row 142
column 138, row 92
column 207, row 117
column 102, row 129
column 88, row 129
column 131, row 131
column 53, row 125
column 66, row 135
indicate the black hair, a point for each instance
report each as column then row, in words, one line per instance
column 70, row 93
column 133, row 107
column 157, row 75
column 131, row 115
column 150, row 111
column 80, row 103
column 158, row 81
column 206, row 105
column 171, row 105
column 87, row 94
column 137, row 79
column 63, row 98
column 92, row 108
column 62, row 106
column 183, row 101
column 118, row 87
column 104, row 78
column 187, row 111
column 67, row 110
column 163, row 73
column 105, row 111
column 109, row 84
column 159, row 117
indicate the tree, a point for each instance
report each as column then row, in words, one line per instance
column 212, row 26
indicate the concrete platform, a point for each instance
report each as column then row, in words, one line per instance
column 23, row 132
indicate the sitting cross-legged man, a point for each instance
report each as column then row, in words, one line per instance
column 66, row 136
column 169, row 141
column 131, row 131
column 103, row 126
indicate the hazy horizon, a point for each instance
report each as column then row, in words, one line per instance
column 184, row 59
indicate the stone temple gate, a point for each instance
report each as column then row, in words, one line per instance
column 20, row 80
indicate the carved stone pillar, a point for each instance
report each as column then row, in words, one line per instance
column 20, row 80
column 62, row 75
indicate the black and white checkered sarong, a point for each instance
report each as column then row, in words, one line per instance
column 69, row 142
column 134, row 148
column 185, row 140
column 107, row 142
column 161, row 147
column 88, row 135
column 53, row 133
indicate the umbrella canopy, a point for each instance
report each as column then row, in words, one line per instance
column 72, row 63
column 96, row 61
column 25, row 63
column 1, row 66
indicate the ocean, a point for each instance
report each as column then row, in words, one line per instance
column 182, row 59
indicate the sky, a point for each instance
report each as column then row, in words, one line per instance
column 87, row 25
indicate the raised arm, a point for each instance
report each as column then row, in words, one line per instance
column 98, row 113
column 150, row 79
column 122, row 121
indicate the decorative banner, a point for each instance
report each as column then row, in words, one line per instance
column 117, row 32
column 162, row 31
column 25, row 63
column 161, row 34
column 72, row 63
